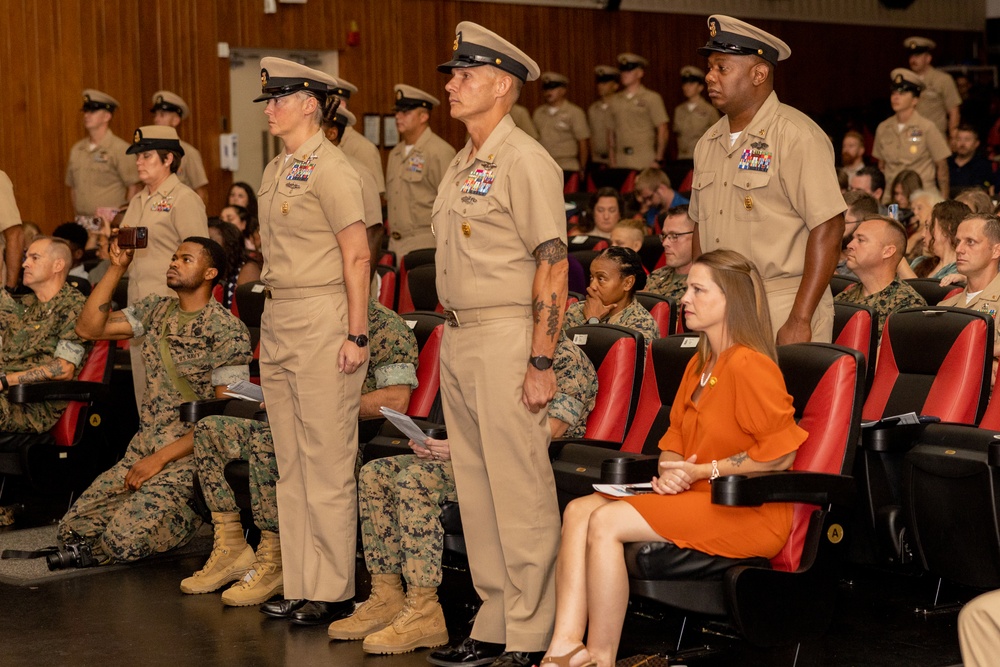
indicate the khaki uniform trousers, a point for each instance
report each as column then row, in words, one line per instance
column 503, row 477
column 313, row 412
column 979, row 630
column 780, row 299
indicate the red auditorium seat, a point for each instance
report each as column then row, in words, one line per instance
column 854, row 327
column 388, row 288
column 663, row 310
column 425, row 400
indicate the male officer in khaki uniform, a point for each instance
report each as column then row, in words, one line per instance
column 314, row 342
column 501, row 257
column 908, row 140
column 170, row 109
column 694, row 115
column 99, row 173
column 765, row 184
column 369, row 187
column 562, row 127
column 599, row 114
column 414, row 171
column 522, row 118
column 356, row 144
column 13, row 233
column 940, row 100
column 640, row 137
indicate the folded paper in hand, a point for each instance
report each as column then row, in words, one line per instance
column 622, row 490
column 404, row 424
column 248, row 391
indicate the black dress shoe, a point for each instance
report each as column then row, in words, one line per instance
column 281, row 608
column 469, row 653
column 517, row 659
column 322, row 613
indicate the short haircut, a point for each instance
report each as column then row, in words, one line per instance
column 216, row 256
column 843, row 180
column 895, row 233
column 58, row 249
column 976, row 199
column 861, row 203
column 633, row 224
column 628, row 263
column 674, row 211
column 72, row 232
column 176, row 164
column 854, row 134
column 876, row 176
column 965, row 127
column 651, row 178
column 991, row 225
column 947, row 215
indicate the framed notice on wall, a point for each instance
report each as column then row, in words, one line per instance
column 390, row 133
column 373, row 128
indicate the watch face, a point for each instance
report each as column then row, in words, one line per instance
column 360, row 341
column 541, row 363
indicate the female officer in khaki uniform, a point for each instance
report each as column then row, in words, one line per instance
column 313, row 340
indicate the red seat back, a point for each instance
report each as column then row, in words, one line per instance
column 428, row 376
column 854, row 326
column 663, row 310
column 387, row 286
column 629, row 184
column 616, row 353
column 572, row 184
column 95, row 369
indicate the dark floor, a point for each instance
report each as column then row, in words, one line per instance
column 137, row 616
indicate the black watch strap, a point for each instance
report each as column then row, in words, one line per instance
column 361, row 340
column 541, row 363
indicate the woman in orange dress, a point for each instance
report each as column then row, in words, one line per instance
column 732, row 415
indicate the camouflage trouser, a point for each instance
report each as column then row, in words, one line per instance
column 122, row 525
column 219, row 440
column 29, row 417
column 400, row 501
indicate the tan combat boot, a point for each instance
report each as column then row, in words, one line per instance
column 264, row 580
column 374, row 613
column 230, row 559
column 419, row 625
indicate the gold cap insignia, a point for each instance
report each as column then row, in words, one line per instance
column 898, row 79
column 137, row 137
column 305, row 84
column 399, row 94
column 713, row 28
column 86, row 98
column 263, row 78
column 159, row 99
column 499, row 61
column 458, row 40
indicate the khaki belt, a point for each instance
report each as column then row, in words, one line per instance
column 460, row 318
column 301, row 292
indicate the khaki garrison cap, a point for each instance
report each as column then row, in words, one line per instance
column 164, row 100
column 155, row 137
column 735, row 37
column 95, row 100
column 553, row 80
column 605, row 73
column 918, row 44
column 692, row 73
column 408, row 97
column 475, row 46
column 630, row 61
column 344, row 89
column 280, row 77
column 346, row 117
column 906, row 81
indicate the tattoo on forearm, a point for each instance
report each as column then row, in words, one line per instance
column 41, row 374
column 117, row 317
column 105, row 307
column 553, row 321
column 552, row 252
column 738, row 459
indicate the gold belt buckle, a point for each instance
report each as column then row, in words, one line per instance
column 267, row 293
column 451, row 318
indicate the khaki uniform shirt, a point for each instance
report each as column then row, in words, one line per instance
column 100, row 175
column 918, row 146
column 665, row 281
column 192, row 169
column 412, row 180
column 494, row 208
column 522, row 118
column 369, row 194
column 601, row 125
column 635, row 120
column 304, row 202
column 560, row 133
column 9, row 214
column 357, row 145
column 987, row 301
column 576, row 387
column 895, row 296
column 939, row 95
column 762, row 195
column 691, row 120
column 172, row 213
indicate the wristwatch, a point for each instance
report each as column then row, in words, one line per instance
column 541, row 363
column 594, row 320
column 360, row 340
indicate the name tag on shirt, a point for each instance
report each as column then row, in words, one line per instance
column 755, row 160
column 479, row 181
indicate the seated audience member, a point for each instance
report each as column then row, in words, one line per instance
column 39, row 342
column 905, row 184
column 976, row 199
column 940, row 241
column 615, row 276
column 193, row 348
column 240, row 266
column 399, row 499
column 977, row 252
column 390, row 378
column 670, row 280
column 874, row 255
column 979, row 630
column 966, row 167
column 76, row 236
column 869, row 179
column 923, row 202
column 654, row 194
column 860, row 205
column 629, row 233
column 603, row 213
column 732, row 415
column 852, row 153
column 247, row 225
column 241, row 194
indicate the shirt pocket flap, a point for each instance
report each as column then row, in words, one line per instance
column 702, row 180
column 751, row 180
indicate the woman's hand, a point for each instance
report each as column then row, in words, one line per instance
column 953, row 278
column 676, row 476
column 432, row 449
column 594, row 307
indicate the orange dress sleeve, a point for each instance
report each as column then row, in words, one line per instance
column 764, row 408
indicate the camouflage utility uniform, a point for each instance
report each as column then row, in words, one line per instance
column 400, row 497
column 34, row 333
column 208, row 348
column 219, row 440
column 665, row 281
column 633, row 316
column 895, row 296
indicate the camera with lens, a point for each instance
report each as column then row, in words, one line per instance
column 75, row 553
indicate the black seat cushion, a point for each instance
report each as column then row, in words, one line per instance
column 665, row 560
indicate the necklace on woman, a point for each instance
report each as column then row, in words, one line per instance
column 706, row 376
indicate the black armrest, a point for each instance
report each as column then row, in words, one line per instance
column 630, row 470
column 892, row 438
column 556, row 446
column 784, row 486
column 994, row 453
column 192, row 411
column 61, row 390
